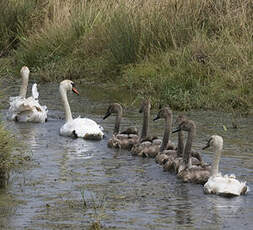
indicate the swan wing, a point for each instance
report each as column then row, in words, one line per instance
column 82, row 127
column 225, row 185
column 35, row 93
column 87, row 128
column 26, row 110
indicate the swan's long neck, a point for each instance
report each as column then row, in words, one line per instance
column 24, row 85
column 188, row 146
column 145, row 124
column 167, row 132
column 68, row 115
column 216, row 161
column 117, row 122
column 180, row 143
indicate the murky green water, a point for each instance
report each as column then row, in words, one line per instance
column 72, row 183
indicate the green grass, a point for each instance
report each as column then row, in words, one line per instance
column 191, row 54
column 12, row 153
column 6, row 145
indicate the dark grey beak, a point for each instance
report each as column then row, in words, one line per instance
column 106, row 115
column 207, row 146
column 176, row 130
column 156, row 118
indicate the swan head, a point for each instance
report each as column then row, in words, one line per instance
column 180, row 119
column 68, row 85
column 113, row 108
column 145, row 106
column 24, row 72
column 215, row 141
column 163, row 113
column 185, row 125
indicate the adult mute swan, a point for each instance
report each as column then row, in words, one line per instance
column 222, row 185
column 24, row 109
column 79, row 127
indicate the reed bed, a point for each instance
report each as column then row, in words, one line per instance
column 187, row 53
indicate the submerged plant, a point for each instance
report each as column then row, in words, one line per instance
column 96, row 205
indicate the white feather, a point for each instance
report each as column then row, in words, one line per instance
column 218, row 184
column 26, row 109
column 79, row 127
column 225, row 185
column 83, row 127
column 35, row 93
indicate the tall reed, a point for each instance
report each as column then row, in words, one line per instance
column 189, row 53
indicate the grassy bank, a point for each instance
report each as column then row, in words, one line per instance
column 11, row 151
column 6, row 146
column 187, row 53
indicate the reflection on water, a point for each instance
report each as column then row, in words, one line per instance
column 72, row 183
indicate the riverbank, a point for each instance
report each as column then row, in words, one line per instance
column 12, row 151
column 188, row 54
column 6, row 160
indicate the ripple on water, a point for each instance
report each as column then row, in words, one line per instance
column 120, row 191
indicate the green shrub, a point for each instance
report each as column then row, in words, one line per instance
column 188, row 53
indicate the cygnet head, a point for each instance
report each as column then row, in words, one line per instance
column 113, row 108
column 145, row 106
column 215, row 141
column 24, row 72
column 68, row 85
column 180, row 119
column 163, row 113
column 185, row 125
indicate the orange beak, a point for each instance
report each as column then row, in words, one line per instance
column 75, row 90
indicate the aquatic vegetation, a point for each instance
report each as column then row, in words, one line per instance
column 190, row 54
column 6, row 146
column 96, row 204
column 12, row 152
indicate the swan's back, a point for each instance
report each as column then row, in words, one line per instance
column 225, row 186
column 26, row 110
column 196, row 175
column 82, row 127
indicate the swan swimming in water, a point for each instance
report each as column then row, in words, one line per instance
column 121, row 140
column 222, row 185
column 178, row 162
column 187, row 170
column 78, row 127
column 24, row 109
column 168, row 160
column 158, row 146
column 145, row 141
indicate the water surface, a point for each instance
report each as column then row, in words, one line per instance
column 72, row 183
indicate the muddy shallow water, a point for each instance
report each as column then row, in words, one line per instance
column 73, row 183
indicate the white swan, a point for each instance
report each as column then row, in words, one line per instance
column 218, row 184
column 79, row 127
column 24, row 109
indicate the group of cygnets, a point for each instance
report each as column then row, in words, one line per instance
column 186, row 163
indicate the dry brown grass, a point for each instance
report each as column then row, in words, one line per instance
column 195, row 53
